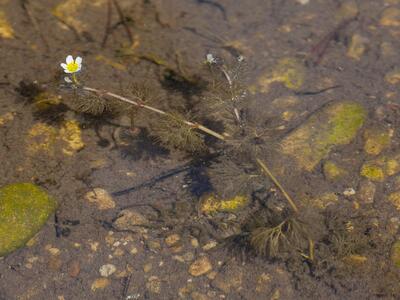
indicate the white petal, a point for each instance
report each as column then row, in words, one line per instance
column 69, row 59
column 79, row 68
column 66, row 71
column 78, row 60
column 64, row 66
column 67, row 79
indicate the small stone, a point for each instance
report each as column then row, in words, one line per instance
column 200, row 266
column 94, row 246
column 133, row 251
column 147, row 267
column 347, row 10
column 154, row 246
column 355, row 260
column 132, row 220
column 349, row 192
column 377, row 140
column 74, row 268
column 101, row 198
column 324, row 200
column 212, row 275
column 262, row 283
column 55, row 263
column 357, row 47
column 367, row 191
column 154, row 284
column 172, row 239
column 107, row 270
column 210, row 245
column 100, row 284
column 332, row 171
column 393, row 77
column 395, row 253
column 53, row 251
column 198, row 296
column 118, row 252
column 390, row 17
column 395, row 199
column 228, row 280
column 194, row 242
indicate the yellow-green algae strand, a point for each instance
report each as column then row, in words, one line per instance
column 24, row 209
column 337, row 124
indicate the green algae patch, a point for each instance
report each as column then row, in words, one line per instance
column 211, row 204
column 376, row 140
column 373, row 172
column 395, row 253
column 332, row 171
column 335, row 125
column 381, row 167
column 288, row 71
column 24, row 209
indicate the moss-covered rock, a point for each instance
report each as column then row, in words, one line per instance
column 24, row 209
column 335, row 125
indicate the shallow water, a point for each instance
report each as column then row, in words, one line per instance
column 304, row 63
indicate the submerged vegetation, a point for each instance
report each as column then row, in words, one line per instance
column 224, row 103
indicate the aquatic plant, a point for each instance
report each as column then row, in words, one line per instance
column 238, row 171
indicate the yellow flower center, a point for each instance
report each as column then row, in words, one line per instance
column 72, row 67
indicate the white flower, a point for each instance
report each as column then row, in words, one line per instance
column 68, row 80
column 72, row 66
column 211, row 59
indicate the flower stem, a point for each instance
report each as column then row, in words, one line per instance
column 288, row 198
column 159, row 111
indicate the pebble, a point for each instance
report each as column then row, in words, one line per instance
column 132, row 220
column 367, row 191
column 200, row 266
column 172, row 239
column 107, row 270
column 349, row 192
column 210, row 245
column 101, row 198
column 198, row 296
column 154, row 284
column 74, row 268
column 100, row 284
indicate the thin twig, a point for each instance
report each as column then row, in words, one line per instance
column 288, row 198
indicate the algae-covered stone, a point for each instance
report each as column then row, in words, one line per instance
column 288, row 71
column 395, row 255
column 332, row 171
column 24, row 209
column 210, row 204
column 376, row 140
column 384, row 166
column 335, row 125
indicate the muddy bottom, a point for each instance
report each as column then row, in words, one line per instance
column 139, row 219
